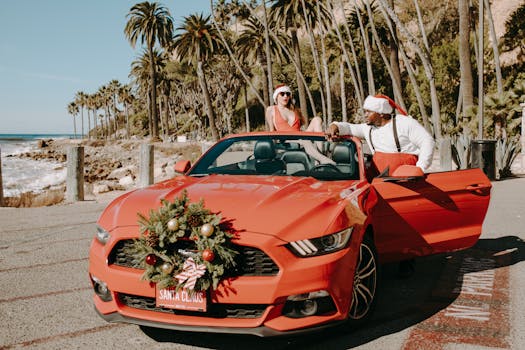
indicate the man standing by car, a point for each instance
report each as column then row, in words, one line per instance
column 394, row 139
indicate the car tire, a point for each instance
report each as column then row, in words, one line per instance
column 366, row 283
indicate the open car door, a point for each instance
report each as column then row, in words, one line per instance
column 429, row 214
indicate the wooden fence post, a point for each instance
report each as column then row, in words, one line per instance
column 1, row 185
column 75, row 174
column 146, row 165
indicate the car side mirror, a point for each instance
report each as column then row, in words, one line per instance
column 408, row 171
column 182, row 166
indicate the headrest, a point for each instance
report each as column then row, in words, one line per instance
column 342, row 153
column 264, row 149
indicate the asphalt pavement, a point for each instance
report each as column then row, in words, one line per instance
column 473, row 299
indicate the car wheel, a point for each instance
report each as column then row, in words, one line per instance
column 364, row 292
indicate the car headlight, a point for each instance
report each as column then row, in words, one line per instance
column 322, row 245
column 102, row 235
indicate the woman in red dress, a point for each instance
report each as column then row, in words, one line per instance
column 284, row 116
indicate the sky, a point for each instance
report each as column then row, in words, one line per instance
column 51, row 49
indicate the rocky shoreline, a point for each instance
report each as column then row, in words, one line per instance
column 108, row 166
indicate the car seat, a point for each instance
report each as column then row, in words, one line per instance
column 265, row 158
column 343, row 155
column 296, row 161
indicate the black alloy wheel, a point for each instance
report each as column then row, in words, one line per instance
column 364, row 293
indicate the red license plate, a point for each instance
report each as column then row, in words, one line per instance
column 181, row 300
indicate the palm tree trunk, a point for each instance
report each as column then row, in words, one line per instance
column 421, row 26
column 366, row 45
column 268, row 54
column 394, row 64
column 126, row 112
column 266, row 87
column 480, row 69
column 82, row 121
column 343, row 90
column 396, row 81
column 153, row 89
column 233, row 58
column 326, row 72
column 89, row 125
column 298, row 71
column 495, row 50
column 246, row 110
column 315, row 55
column 354, row 54
column 465, row 66
column 355, row 76
column 75, row 126
column 207, row 101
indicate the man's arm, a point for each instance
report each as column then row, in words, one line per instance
column 419, row 136
column 342, row 128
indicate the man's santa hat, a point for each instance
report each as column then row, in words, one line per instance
column 382, row 104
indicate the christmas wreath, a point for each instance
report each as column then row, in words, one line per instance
column 183, row 244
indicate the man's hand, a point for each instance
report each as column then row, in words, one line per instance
column 332, row 132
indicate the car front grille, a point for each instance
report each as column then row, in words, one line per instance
column 250, row 262
column 214, row 310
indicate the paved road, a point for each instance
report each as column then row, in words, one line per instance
column 473, row 299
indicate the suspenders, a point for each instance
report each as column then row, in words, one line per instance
column 396, row 138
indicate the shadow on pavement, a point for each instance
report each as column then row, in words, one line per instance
column 402, row 303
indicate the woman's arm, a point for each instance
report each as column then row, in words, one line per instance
column 269, row 118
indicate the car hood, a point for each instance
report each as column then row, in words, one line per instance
column 282, row 206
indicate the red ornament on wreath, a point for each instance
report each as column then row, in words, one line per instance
column 151, row 259
column 208, row 255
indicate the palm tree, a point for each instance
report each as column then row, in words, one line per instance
column 92, row 104
column 113, row 87
column 196, row 43
column 289, row 14
column 150, row 22
column 465, row 66
column 126, row 98
column 72, row 108
column 251, row 47
column 80, row 100
column 140, row 77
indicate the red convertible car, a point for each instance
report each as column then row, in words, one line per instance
column 260, row 237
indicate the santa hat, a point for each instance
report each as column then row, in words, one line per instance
column 382, row 104
column 279, row 89
column 378, row 105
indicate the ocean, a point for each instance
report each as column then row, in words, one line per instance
column 21, row 175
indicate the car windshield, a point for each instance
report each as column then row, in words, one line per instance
column 304, row 156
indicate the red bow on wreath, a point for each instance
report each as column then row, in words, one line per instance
column 190, row 273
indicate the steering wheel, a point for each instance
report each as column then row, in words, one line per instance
column 327, row 167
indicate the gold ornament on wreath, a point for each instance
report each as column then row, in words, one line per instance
column 183, row 244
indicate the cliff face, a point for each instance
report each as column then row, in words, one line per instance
column 501, row 10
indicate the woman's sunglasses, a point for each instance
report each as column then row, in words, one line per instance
column 282, row 93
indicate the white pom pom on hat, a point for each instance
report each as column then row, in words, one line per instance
column 282, row 88
column 377, row 104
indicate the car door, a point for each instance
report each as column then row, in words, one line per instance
column 435, row 213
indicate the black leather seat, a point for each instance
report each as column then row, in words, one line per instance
column 296, row 161
column 265, row 158
column 343, row 155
